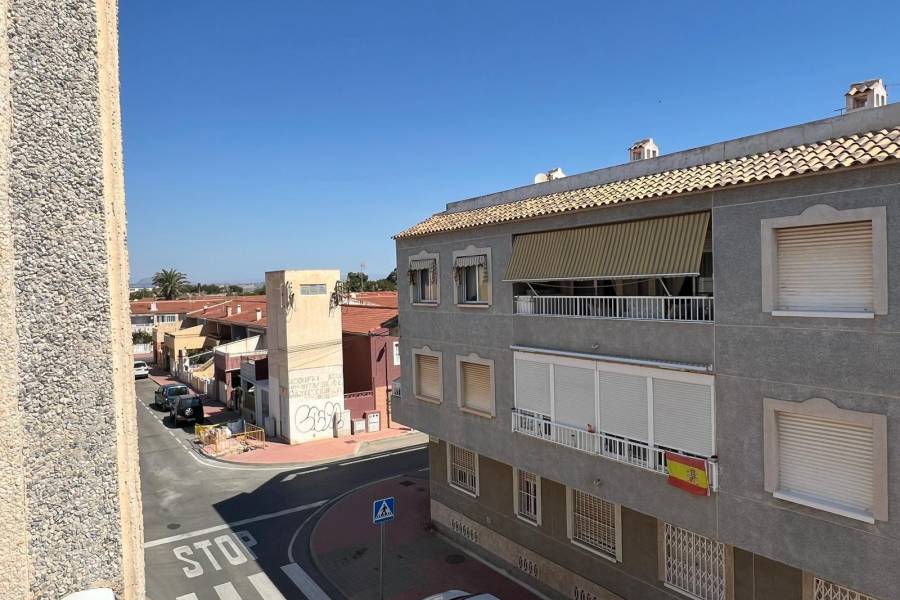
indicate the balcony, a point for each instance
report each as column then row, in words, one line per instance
column 636, row 454
column 685, row 309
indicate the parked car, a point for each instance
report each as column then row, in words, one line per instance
column 141, row 370
column 460, row 595
column 165, row 395
column 187, row 408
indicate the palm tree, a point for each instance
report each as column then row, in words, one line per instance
column 170, row 283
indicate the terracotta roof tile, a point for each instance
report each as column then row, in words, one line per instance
column 142, row 307
column 364, row 319
column 858, row 149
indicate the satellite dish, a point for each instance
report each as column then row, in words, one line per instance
column 541, row 178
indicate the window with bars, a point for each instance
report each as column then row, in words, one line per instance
column 826, row 590
column 462, row 471
column 476, row 384
column 528, row 496
column 694, row 564
column 427, row 383
column 594, row 524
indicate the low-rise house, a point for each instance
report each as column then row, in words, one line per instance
column 371, row 358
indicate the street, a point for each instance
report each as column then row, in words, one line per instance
column 218, row 531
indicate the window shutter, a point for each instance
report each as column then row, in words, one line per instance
column 623, row 405
column 476, row 386
column 428, row 376
column 825, row 267
column 682, row 416
column 574, row 396
column 533, row 386
column 826, row 460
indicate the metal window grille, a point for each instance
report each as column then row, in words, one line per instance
column 826, row 590
column 463, row 469
column 694, row 564
column 528, row 495
column 594, row 522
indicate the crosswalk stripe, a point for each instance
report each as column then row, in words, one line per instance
column 191, row 596
column 302, row 580
column 226, row 591
column 265, row 587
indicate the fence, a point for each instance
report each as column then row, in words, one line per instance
column 142, row 348
column 217, row 440
column 201, row 385
column 695, row 309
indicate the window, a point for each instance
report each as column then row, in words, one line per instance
column 396, row 353
column 825, row 262
column 694, row 564
column 594, row 524
column 827, row 458
column 166, row 318
column 423, row 278
column 475, row 384
column 313, row 289
column 427, row 382
column 462, row 469
column 826, row 590
column 472, row 275
column 527, row 496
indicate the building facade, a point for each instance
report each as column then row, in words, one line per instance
column 674, row 378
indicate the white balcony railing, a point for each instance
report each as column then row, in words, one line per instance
column 616, row 448
column 691, row 309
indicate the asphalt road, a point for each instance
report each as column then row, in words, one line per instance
column 217, row 531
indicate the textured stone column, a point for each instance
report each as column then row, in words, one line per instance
column 70, row 513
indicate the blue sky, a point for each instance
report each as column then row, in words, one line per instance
column 303, row 135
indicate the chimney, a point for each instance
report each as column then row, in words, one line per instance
column 259, row 314
column 643, row 149
column 205, row 306
column 238, row 309
column 550, row 175
column 228, row 311
column 153, row 307
column 866, row 94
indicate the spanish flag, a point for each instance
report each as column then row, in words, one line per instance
column 688, row 474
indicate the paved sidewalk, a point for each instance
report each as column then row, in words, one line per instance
column 417, row 561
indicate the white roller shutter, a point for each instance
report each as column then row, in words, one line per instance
column 826, row 460
column 574, row 397
column 477, row 386
column 533, row 386
column 825, row 267
column 682, row 416
column 428, row 376
column 623, row 405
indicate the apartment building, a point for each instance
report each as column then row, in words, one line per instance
column 673, row 378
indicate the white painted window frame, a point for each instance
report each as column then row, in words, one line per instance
column 450, row 480
column 570, row 528
column 825, row 409
column 822, row 214
column 475, row 359
column 426, row 351
column 536, row 521
column 395, row 347
column 473, row 251
column 436, row 257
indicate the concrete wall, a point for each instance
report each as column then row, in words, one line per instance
column 852, row 363
column 70, row 492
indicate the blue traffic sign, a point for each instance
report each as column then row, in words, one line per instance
column 383, row 510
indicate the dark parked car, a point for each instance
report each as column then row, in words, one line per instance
column 166, row 395
column 187, row 408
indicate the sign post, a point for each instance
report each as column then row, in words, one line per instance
column 382, row 512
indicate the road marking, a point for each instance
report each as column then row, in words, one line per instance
column 302, row 580
column 291, row 476
column 226, row 591
column 424, row 469
column 232, row 525
column 353, row 462
column 191, row 596
column 265, row 587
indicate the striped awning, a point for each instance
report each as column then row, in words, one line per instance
column 421, row 264
column 476, row 260
column 660, row 247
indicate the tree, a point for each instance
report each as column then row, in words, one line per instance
column 234, row 290
column 141, row 337
column 357, row 282
column 170, row 283
column 260, row 291
column 211, row 288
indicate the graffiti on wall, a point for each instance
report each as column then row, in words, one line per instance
column 318, row 395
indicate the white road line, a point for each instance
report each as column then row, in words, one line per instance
column 226, row 591
column 424, row 469
column 191, row 596
column 310, row 588
column 265, row 587
column 291, row 476
column 353, row 462
column 232, row 525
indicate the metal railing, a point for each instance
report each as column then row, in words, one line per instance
column 691, row 309
column 218, row 441
column 598, row 443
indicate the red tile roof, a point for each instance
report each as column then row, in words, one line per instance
column 246, row 317
column 363, row 320
column 142, row 307
column 385, row 299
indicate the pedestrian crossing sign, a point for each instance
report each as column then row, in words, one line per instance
column 383, row 510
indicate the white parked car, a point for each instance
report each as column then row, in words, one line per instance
column 141, row 370
column 460, row 595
